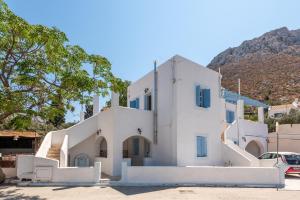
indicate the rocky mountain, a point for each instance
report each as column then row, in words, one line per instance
column 268, row 66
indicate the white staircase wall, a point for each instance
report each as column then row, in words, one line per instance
column 45, row 146
column 235, row 156
column 64, row 152
column 82, row 130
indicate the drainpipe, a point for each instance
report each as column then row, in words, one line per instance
column 155, row 106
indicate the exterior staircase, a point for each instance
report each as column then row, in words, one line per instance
column 54, row 152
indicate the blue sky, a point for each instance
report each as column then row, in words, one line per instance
column 132, row 33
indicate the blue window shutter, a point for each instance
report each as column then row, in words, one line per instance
column 206, row 98
column 201, row 146
column 137, row 103
column 132, row 104
column 229, row 116
column 198, row 90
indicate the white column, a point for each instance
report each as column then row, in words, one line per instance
column 81, row 116
column 240, row 109
column 115, row 99
column 96, row 105
column 261, row 116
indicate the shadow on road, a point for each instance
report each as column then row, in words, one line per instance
column 11, row 194
column 128, row 190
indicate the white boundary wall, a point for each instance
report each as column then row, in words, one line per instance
column 204, row 175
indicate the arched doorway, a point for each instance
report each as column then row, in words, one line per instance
column 254, row 148
column 136, row 148
column 101, row 147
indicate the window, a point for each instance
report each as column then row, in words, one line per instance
column 147, row 102
column 202, row 97
column 229, row 116
column 135, row 103
column 201, row 146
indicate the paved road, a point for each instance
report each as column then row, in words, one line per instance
column 145, row 193
column 292, row 191
column 292, row 183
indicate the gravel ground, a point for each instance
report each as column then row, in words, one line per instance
column 291, row 191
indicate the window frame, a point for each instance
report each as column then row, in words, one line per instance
column 207, row 146
column 202, row 87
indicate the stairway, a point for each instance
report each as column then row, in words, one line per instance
column 54, row 152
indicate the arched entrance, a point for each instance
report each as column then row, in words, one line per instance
column 136, row 148
column 254, row 148
column 101, row 147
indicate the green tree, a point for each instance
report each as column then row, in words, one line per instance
column 122, row 89
column 38, row 67
column 88, row 111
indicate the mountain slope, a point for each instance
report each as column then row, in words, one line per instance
column 268, row 66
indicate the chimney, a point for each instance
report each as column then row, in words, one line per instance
column 115, row 99
column 240, row 109
column 261, row 116
column 96, row 104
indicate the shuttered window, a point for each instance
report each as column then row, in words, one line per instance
column 201, row 146
column 135, row 103
column 202, row 97
column 229, row 116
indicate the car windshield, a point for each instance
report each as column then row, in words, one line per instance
column 292, row 159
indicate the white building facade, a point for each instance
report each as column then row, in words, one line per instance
column 191, row 124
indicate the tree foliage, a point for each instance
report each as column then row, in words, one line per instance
column 123, row 85
column 41, row 74
column 292, row 118
column 88, row 111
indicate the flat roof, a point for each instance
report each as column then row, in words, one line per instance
column 233, row 97
column 12, row 133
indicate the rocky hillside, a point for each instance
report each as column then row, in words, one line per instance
column 268, row 66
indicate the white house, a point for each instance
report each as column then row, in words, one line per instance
column 175, row 119
column 280, row 110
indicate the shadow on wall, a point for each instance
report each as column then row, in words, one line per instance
column 15, row 193
column 127, row 190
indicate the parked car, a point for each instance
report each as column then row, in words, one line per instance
column 291, row 159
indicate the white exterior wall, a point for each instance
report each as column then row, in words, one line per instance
column 164, row 152
column 126, row 123
column 289, row 137
column 222, row 176
column 195, row 121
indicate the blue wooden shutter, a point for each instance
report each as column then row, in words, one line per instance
column 206, row 98
column 137, row 103
column 132, row 104
column 201, row 146
column 231, row 116
column 198, row 90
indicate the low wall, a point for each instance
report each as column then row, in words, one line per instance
column 10, row 172
column 47, row 170
column 204, row 175
column 24, row 166
column 77, row 174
